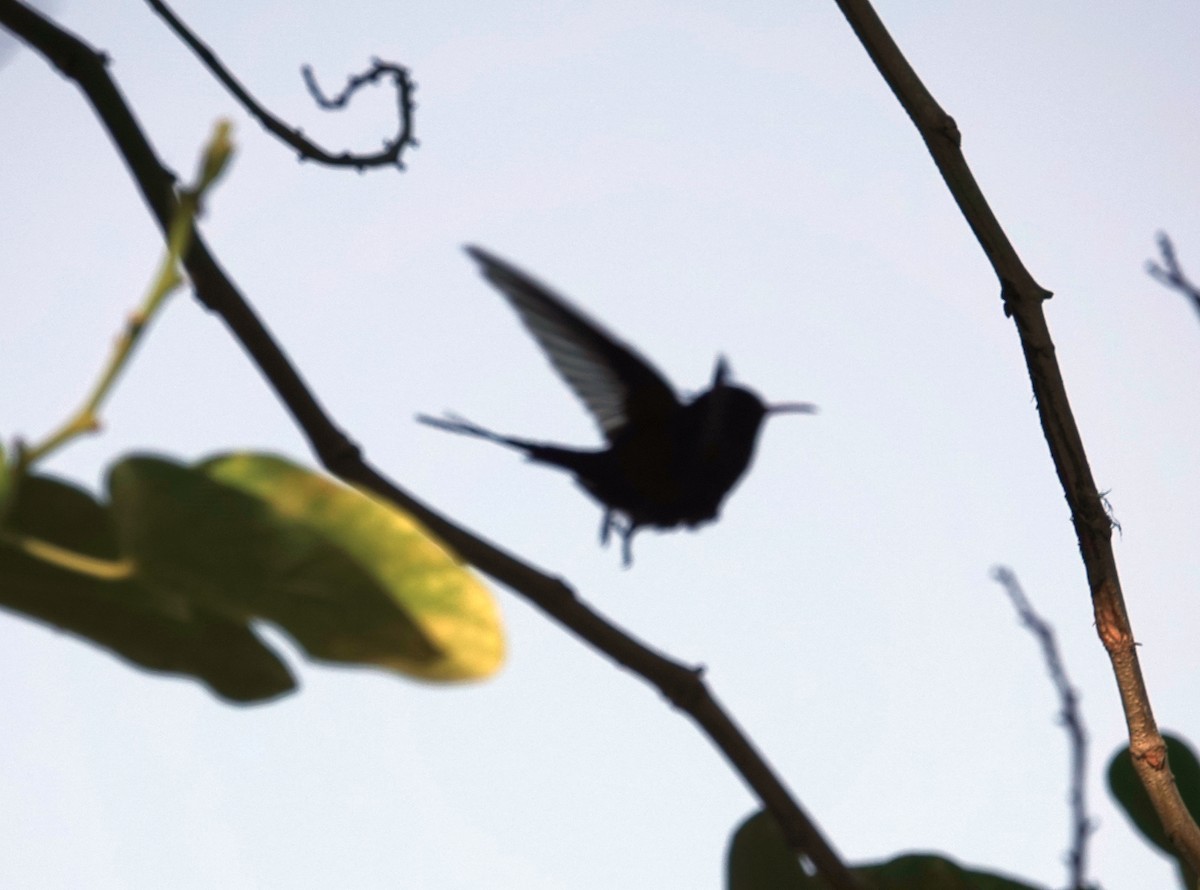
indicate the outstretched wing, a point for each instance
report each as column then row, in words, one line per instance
column 614, row 382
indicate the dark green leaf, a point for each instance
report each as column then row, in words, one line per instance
column 149, row 628
column 6, row 484
column 927, row 871
column 760, row 860
column 1129, row 792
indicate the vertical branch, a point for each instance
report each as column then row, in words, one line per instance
column 1023, row 298
column 1072, row 720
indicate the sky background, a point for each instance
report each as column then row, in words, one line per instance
column 715, row 177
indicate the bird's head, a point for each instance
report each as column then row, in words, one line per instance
column 741, row 401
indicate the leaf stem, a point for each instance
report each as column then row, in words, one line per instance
column 71, row 560
column 167, row 279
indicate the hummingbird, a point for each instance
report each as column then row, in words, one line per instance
column 667, row 462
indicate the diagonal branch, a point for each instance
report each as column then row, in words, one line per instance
column 1023, row 298
column 306, row 149
column 683, row 686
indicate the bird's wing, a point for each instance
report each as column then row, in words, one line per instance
column 614, row 382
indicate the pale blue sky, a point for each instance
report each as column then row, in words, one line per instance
column 704, row 178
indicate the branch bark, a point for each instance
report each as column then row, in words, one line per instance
column 1023, row 298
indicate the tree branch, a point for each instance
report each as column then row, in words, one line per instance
column 1170, row 273
column 683, row 686
column 1069, row 716
column 307, row 150
column 1023, row 297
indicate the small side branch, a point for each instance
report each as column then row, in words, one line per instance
column 1071, row 718
column 1170, row 273
column 393, row 148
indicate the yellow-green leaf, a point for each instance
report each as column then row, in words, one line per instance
column 450, row 605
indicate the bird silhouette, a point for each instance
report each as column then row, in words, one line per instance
column 668, row 463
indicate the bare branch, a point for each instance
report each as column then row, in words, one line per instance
column 1071, row 718
column 1023, row 298
column 682, row 685
column 306, row 149
column 1170, row 273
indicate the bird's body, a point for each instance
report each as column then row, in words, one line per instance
column 667, row 463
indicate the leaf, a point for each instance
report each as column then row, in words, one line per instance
column 759, row 859
column 150, row 629
column 928, row 871
column 1129, row 792
column 450, row 605
column 6, row 484
column 174, row 573
column 349, row 580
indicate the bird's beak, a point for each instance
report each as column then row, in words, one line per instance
column 792, row 408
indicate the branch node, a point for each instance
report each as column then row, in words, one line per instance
column 1170, row 273
column 684, row 688
column 949, row 128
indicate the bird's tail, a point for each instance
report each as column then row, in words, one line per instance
column 455, row 424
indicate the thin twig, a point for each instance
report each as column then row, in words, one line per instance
column 1023, row 298
column 354, row 83
column 683, row 686
column 1071, row 719
column 305, row 148
column 86, row 418
column 1171, row 273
